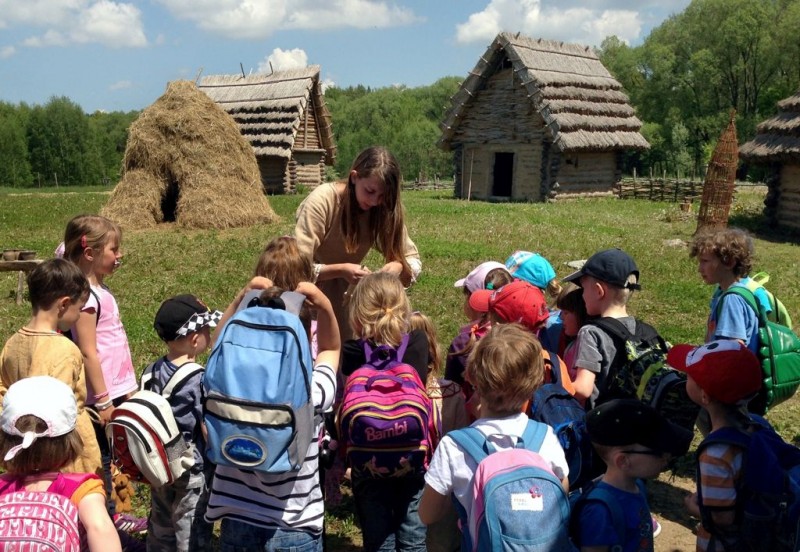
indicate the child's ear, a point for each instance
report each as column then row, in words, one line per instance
column 62, row 304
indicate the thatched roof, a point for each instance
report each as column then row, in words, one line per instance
column 270, row 109
column 778, row 138
column 583, row 106
column 186, row 162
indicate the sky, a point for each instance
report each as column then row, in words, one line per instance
column 117, row 55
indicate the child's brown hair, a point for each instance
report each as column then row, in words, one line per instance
column 85, row 231
column 46, row 454
column 733, row 247
column 505, row 368
column 282, row 262
column 571, row 299
column 379, row 309
column 53, row 279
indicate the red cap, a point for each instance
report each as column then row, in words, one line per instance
column 725, row 369
column 518, row 301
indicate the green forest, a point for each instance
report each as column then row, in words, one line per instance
column 683, row 80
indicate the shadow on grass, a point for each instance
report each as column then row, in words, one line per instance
column 756, row 224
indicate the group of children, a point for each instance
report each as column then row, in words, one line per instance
column 491, row 371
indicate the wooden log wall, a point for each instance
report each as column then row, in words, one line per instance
column 674, row 190
column 587, row 173
column 273, row 174
column 787, row 212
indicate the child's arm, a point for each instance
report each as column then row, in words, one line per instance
column 690, row 501
column 329, row 342
column 100, row 530
column 86, row 333
column 584, row 384
column 432, row 505
column 258, row 282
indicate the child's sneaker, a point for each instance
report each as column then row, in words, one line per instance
column 130, row 524
column 656, row 527
column 130, row 543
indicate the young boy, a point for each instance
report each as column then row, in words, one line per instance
column 505, row 368
column 636, row 443
column 608, row 279
column 176, row 519
column 724, row 259
column 722, row 377
column 261, row 511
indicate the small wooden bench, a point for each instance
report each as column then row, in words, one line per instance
column 23, row 267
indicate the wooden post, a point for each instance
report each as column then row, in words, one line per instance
column 469, row 188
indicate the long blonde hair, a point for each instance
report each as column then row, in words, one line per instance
column 419, row 321
column 386, row 221
column 379, row 309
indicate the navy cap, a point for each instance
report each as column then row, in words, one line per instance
column 612, row 266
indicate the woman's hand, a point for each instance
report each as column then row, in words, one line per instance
column 393, row 267
column 353, row 272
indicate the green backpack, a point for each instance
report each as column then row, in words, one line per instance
column 779, row 352
column 779, row 313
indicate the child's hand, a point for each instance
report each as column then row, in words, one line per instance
column 314, row 295
column 105, row 415
column 690, row 501
column 259, row 282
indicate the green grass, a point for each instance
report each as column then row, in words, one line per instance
column 452, row 235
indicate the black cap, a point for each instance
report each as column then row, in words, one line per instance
column 612, row 266
column 180, row 315
column 625, row 422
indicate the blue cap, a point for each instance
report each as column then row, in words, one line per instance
column 612, row 266
column 531, row 267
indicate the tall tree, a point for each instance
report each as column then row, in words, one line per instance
column 15, row 167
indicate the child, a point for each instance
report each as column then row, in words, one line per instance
column 722, row 377
column 261, row 511
column 636, row 443
column 608, row 279
column 449, row 407
column 58, row 291
column 386, row 507
column 36, row 442
column 573, row 316
column 489, row 275
column 506, row 368
column 93, row 243
column 177, row 510
column 536, row 270
column 282, row 262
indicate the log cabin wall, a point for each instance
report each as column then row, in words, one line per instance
column 787, row 213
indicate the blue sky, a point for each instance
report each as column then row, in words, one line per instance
column 119, row 55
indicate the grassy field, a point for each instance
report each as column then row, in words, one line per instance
column 452, row 235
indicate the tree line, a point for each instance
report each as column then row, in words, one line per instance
column 683, row 80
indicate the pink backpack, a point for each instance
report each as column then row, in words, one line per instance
column 386, row 421
column 41, row 520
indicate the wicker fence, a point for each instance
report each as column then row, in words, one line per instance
column 659, row 189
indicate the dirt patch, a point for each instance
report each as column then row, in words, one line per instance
column 666, row 496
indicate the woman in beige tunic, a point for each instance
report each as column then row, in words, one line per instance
column 338, row 223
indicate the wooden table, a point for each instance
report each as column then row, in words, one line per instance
column 23, row 267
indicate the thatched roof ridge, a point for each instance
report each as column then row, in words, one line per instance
column 282, row 95
column 777, row 138
column 569, row 87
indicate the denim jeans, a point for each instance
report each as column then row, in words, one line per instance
column 238, row 536
column 388, row 510
column 176, row 522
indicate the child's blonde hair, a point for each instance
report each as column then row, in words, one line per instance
column 733, row 247
column 45, row 454
column 419, row 321
column 379, row 309
column 88, row 231
column 282, row 262
column 505, row 368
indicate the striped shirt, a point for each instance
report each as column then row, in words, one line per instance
column 720, row 471
column 291, row 500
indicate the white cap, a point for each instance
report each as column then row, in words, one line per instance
column 475, row 280
column 44, row 397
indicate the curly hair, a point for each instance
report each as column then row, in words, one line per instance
column 733, row 247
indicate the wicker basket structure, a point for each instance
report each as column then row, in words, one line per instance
column 718, row 188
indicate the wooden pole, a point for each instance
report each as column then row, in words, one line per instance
column 471, row 159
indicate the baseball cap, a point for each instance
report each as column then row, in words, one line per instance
column 531, row 267
column 44, row 397
column 725, row 369
column 181, row 315
column 624, row 422
column 476, row 279
column 518, row 301
column 612, row 266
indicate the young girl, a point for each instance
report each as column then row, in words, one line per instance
column 338, row 223
column 573, row 316
column 450, row 409
column 282, row 262
column 93, row 243
column 37, row 439
column 58, row 291
column 386, row 508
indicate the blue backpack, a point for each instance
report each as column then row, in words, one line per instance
column 519, row 503
column 591, row 492
column 553, row 405
column 767, row 493
column 258, row 407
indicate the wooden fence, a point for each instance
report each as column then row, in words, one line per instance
column 659, row 189
column 435, row 184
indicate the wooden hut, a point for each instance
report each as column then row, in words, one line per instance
column 284, row 117
column 536, row 120
column 777, row 145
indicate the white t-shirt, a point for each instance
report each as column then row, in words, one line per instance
column 452, row 471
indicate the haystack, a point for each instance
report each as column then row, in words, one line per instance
column 187, row 163
column 717, row 199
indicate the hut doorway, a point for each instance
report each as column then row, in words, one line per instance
column 503, row 174
column 169, row 201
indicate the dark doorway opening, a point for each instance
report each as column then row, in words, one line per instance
column 503, row 174
column 169, row 201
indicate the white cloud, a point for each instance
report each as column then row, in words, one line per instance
column 7, row 51
column 113, row 24
column 121, row 85
column 254, row 19
column 326, row 83
column 279, row 60
column 584, row 25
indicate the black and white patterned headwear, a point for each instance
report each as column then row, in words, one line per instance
column 181, row 315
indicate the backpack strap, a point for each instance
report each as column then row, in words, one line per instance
column 610, row 502
column 373, row 358
column 174, row 383
column 67, row 483
column 478, row 447
column 555, row 368
column 749, row 298
column 146, row 383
